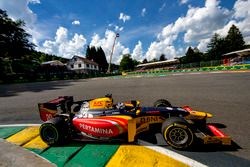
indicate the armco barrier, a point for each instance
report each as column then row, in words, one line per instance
column 206, row 69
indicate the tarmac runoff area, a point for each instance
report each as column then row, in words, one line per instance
column 21, row 145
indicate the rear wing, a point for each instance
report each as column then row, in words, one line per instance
column 49, row 109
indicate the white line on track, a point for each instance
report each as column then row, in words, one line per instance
column 216, row 72
column 18, row 125
column 195, row 73
column 172, row 154
column 178, row 74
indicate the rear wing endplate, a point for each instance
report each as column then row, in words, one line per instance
column 49, row 109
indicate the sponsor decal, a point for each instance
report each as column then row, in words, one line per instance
column 142, row 129
column 153, row 112
column 46, row 114
column 95, row 129
column 150, row 119
column 97, row 103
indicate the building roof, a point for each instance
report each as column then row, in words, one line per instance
column 244, row 52
column 87, row 61
column 172, row 61
column 53, row 63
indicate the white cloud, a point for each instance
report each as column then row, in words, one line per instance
column 124, row 17
column 63, row 46
column 138, row 52
column 106, row 43
column 143, row 12
column 116, row 27
column 242, row 14
column 197, row 26
column 240, row 18
column 158, row 48
column 183, row 2
column 126, row 51
column 241, row 8
column 76, row 22
column 20, row 10
column 202, row 46
column 162, row 7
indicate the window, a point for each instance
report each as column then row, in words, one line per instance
column 72, row 66
column 87, row 65
column 79, row 65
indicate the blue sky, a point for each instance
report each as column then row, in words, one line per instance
column 147, row 28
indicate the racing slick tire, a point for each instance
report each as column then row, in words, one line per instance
column 162, row 103
column 177, row 133
column 55, row 131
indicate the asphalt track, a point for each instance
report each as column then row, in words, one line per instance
column 226, row 96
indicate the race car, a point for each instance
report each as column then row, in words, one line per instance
column 100, row 119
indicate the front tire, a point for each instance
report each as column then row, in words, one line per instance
column 55, row 131
column 177, row 133
column 162, row 103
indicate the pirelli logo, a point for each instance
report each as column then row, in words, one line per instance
column 149, row 119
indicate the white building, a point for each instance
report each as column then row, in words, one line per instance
column 82, row 65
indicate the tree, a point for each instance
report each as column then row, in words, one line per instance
column 101, row 59
column 154, row 60
column 144, row 61
column 192, row 56
column 98, row 56
column 14, row 45
column 91, row 53
column 88, row 53
column 135, row 62
column 234, row 39
column 14, row 41
column 114, row 68
column 162, row 57
column 216, row 47
column 247, row 46
column 127, row 63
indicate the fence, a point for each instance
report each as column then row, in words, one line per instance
column 215, row 65
column 200, row 64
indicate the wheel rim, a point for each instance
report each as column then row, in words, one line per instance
column 178, row 136
column 49, row 134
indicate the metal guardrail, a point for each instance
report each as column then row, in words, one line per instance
column 214, row 68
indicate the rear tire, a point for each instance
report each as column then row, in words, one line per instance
column 55, row 131
column 177, row 133
column 162, row 103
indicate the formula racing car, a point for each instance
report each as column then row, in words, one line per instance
column 101, row 120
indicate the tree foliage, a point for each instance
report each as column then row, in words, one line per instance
column 97, row 55
column 192, row 56
column 234, row 39
column 216, row 47
column 162, row 57
column 144, row 61
column 127, row 63
column 14, row 40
